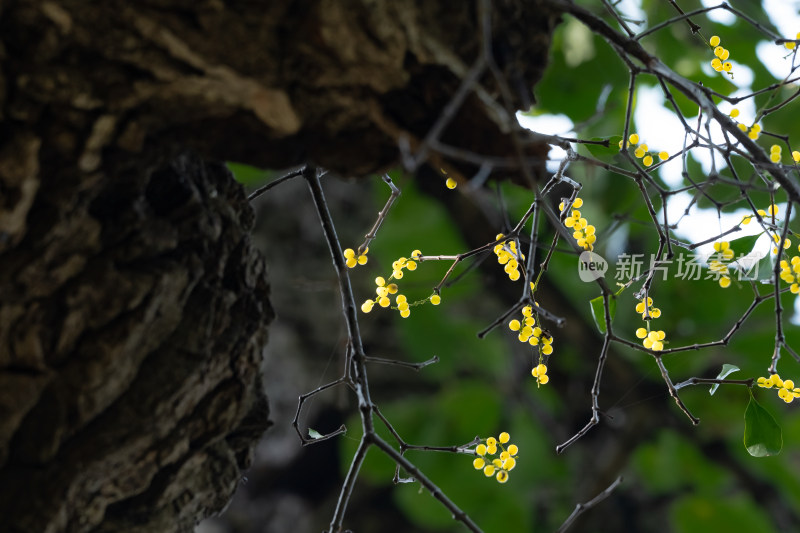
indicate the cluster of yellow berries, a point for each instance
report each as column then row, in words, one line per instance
column 642, row 151
column 775, row 154
column 651, row 339
column 720, row 62
column 786, row 389
column 529, row 332
column 500, row 466
column 351, row 260
column 772, row 211
column 752, row 132
column 540, row 373
column 654, row 340
column 645, row 307
column 408, row 264
column 791, row 45
column 725, row 252
column 384, row 290
column 582, row 231
column 508, row 255
column 790, row 273
column 786, row 243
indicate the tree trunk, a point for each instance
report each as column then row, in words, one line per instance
column 133, row 308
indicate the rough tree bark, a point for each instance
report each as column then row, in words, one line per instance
column 132, row 306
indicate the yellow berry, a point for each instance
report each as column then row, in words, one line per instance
column 451, row 183
column 505, row 437
column 724, row 282
column 349, row 253
column 479, row 463
column 514, row 325
column 544, row 379
column 734, row 113
column 639, row 152
column 480, row 449
column 641, row 333
column 775, row 157
column 634, row 139
column 366, row 307
column 362, row 259
column 502, row 476
column 392, row 288
column 380, row 282
column 716, row 64
column 351, row 262
column 663, row 155
column 727, row 66
column 714, row 41
column 796, row 156
column 578, row 203
column 547, row 349
column 725, row 54
column 718, row 50
column 384, row 302
column 488, row 470
column 647, row 161
column 436, row 299
column 513, row 450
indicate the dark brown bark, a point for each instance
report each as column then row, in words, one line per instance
column 134, row 312
column 133, row 308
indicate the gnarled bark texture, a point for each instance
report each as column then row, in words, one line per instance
column 133, row 308
column 134, row 311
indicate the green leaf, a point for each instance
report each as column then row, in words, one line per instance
column 314, row 434
column 598, row 150
column 598, row 312
column 744, row 245
column 248, row 175
column 762, row 435
column 725, row 372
